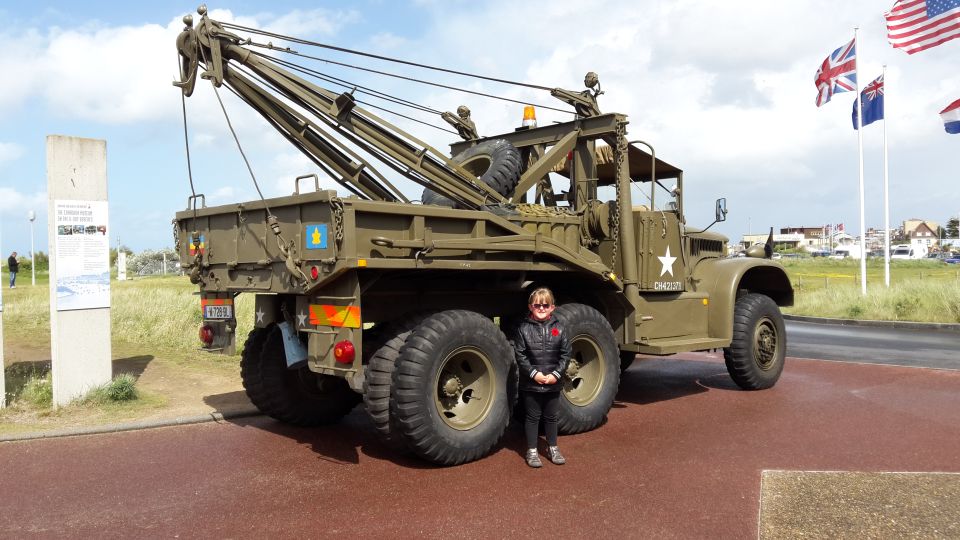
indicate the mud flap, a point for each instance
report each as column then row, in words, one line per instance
column 293, row 349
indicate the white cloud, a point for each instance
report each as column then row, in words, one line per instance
column 13, row 201
column 111, row 75
column 10, row 152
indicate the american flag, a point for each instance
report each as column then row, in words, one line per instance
column 917, row 25
column 838, row 73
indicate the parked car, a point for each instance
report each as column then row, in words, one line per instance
column 954, row 259
column 909, row 251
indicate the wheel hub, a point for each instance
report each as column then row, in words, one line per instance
column 766, row 344
column 572, row 369
column 465, row 386
column 452, row 387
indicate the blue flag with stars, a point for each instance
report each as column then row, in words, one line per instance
column 871, row 99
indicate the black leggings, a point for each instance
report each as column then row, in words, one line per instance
column 537, row 404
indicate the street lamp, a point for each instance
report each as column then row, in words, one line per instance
column 32, row 216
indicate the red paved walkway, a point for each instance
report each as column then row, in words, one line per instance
column 681, row 456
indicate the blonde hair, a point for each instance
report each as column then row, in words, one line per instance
column 541, row 293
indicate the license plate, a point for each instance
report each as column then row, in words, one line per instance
column 218, row 312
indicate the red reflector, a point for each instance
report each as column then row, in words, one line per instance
column 314, row 273
column 206, row 334
column 344, row 352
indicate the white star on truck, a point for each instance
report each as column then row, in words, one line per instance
column 667, row 262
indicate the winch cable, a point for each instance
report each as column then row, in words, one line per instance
column 421, row 81
column 271, row 219
column 387, row 187
column 395, row 60
column 256, row 185
column 379, row 57
column 186, row 144
column 365, row 90
column 320, row 164
column 343, row 82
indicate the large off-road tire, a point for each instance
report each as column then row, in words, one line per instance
column 592, row 379
column 250, row 366
column 496, row 163
column 300, row 396
column 379, row 378
column 757, row 353
column 452, row 387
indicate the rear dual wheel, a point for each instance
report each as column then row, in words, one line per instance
column 293, row 396
column 453, row 387
column 378, row 381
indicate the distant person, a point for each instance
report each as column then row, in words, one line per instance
column 14, row 267
column 542, row 351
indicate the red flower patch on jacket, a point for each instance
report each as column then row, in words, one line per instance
column 555, row 332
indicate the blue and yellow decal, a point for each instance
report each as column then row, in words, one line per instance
column 200, row 247
column 317, row 236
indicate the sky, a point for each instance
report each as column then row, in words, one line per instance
column 723, row 90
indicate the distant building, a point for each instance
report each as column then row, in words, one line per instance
column 909, row 225
column 922, row 234
column 780, row 241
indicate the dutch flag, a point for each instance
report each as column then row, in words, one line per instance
column 951, row 117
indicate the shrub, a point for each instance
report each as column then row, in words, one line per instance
column 855, row 311
column 150, row 262
column 122, row 388
column 38, row 391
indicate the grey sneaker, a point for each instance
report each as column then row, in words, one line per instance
column 533, row 459
column 555, row 456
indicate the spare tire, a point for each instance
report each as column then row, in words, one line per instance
column 496, row 163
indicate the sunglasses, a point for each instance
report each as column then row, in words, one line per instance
column 541, row 306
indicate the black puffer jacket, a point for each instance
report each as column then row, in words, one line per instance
column 541, row 347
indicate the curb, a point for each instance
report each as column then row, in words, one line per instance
column 908, row 325
column 132, row 426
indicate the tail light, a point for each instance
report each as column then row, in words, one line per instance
column 206, row 334
column 344, row 352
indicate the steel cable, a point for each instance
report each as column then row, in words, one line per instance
column 389, row 59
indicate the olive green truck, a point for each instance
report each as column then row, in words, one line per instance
column 407, row 305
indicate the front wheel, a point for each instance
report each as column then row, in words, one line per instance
column 593, row 376
column 757, row 353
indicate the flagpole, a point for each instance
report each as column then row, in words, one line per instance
column 886, row 188
column 863, row 250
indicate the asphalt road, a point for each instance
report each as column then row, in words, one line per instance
column 684, row 454
column 876, row 345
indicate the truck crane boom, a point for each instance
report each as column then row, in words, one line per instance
column 252, row 76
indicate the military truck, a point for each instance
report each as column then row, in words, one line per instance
column 407, row 305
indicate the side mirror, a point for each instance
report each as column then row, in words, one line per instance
column 721, row 209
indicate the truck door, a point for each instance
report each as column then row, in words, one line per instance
column 660, row 257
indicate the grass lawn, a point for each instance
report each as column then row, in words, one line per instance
column 922, row 290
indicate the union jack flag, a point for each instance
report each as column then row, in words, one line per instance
column 838, row 73
column 875, row 87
